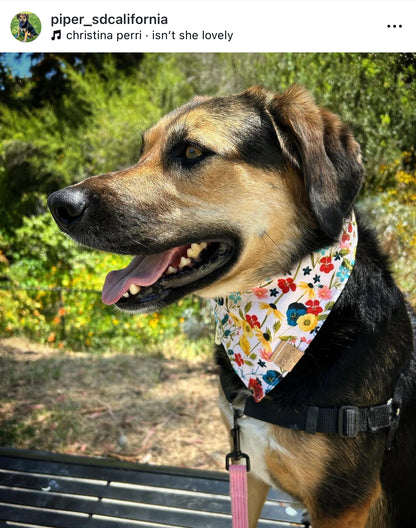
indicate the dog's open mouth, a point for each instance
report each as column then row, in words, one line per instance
column 151, row 278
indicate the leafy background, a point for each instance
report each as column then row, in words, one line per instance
column 75, row 115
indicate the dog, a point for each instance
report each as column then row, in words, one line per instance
column 25, row 27
column 228, row 193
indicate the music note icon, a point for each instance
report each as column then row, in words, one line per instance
column 56, row 34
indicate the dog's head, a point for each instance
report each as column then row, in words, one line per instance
column 22, row 18
column 228, row 191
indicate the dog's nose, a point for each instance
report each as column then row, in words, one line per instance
column 68, row 206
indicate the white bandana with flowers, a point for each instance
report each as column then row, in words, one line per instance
column 266, row 330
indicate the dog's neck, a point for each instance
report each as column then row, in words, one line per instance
column 266, row 330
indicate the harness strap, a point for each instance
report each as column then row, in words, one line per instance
column 345, row 420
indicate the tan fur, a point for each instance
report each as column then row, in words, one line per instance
column 298, row 466
column 257, row 496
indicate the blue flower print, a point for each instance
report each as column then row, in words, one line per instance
column 295, row 310
column 235, row 297
column 343, row 273
column 225, row 319
column 271, row 377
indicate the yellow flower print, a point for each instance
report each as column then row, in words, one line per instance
column 247, row 329
column 264, row 340
column 242, row 323
column 236, row 320
column 308, row 289
column 307, row 322
column 271, row 310
column 245, row 345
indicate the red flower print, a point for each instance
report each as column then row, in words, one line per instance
column 253, row 321
column 345, row 241
column 313, row 307
column 326, row 264
column 238, row 359
column 257, row 390
column 286, row 284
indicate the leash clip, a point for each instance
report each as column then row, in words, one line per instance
column 236, row 454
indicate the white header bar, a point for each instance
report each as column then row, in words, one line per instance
column 214, row 26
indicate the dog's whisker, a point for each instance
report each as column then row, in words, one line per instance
column 140, row 244
column 265, row 235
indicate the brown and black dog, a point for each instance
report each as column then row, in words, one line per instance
column 227, row 192
column 25, row 27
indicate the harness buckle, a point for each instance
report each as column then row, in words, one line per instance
column 348, row 421
column 396, row 405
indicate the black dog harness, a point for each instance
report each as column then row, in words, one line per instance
column 345, row 420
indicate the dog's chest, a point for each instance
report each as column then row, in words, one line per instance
column 254, row 440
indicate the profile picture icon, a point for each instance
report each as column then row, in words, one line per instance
column 26, row 26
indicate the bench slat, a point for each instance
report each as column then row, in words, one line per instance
column 61, row 491
column 211, row 482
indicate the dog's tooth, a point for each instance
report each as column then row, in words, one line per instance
column 134, row 289
column 126, row 295
column 171, row 270
column 196, row 249
column 184, row 262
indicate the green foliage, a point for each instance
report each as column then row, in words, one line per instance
column 393, row 212
column 61, row 303
column 52, row 146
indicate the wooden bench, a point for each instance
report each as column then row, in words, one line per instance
column 62, row 491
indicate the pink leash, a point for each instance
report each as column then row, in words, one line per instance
column 238, row 478
column 239, row 495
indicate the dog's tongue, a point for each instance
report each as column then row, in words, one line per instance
column 142, row 271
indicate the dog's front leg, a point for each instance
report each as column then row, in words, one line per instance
column 257, row 493
column 370, row 513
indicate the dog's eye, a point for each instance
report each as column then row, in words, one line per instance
column 188, row 154
column 192, row 152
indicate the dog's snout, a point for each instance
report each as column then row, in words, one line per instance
column 68, row 206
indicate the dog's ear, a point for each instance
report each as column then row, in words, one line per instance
column 325, row 151
column 17, row 16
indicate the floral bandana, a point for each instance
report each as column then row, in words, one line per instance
column 266, row 330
